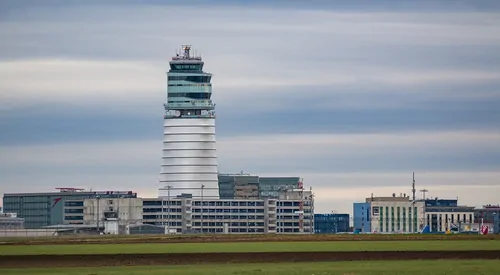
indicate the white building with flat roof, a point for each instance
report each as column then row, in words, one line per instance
column 294, row 214
column 444, row 218
column 11, row 221
column 291, row 213
column 396, row 215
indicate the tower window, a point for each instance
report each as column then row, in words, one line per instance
column 185, row 67
column 190, row 78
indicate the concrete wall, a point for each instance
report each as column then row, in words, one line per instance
column 129, row 210
column 27, row 233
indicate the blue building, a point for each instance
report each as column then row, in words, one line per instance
column 362, row 217
column 331, row 223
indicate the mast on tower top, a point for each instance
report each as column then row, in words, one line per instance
column 186, row 49
column 413, row 187
column 185, row 54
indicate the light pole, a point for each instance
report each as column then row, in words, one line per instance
column 335, row 221
column 311, row 207
column 496, row 223
column 202, row 187
column 168, row 208
column 97, row 198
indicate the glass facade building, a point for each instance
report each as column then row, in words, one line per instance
column 240, row 186
column 189, row 89
column 44, row 209
column 362, row 217
column 331, row 223
column 269, row 187
column 441, row 203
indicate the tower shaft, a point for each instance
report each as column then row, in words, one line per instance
column 189, row 161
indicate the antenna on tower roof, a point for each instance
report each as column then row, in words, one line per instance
column 413, row 187
column 186, row 49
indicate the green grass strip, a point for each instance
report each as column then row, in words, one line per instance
column 250, row 247
column 435, row 267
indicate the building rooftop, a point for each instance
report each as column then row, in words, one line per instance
column 72, row 191
column 8, row 215
column 373, row 199
column 491, row 207
column 447, row 206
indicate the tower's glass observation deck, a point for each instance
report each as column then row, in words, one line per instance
column 189, row 88
column 189, row 162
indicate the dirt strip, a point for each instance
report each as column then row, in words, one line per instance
column 16, row 261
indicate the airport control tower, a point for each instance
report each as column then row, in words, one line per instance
column 189, row 162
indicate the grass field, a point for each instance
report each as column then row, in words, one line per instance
column 251, row 247
column 236, row 238
column 435, row 267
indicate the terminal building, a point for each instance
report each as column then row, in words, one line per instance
column 43, row 209
column 114, row 212
column 403, row 215
column 291, row 212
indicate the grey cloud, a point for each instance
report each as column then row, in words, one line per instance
column 320, row 153
column 102, row 31
column 346, row 112
column 264, row 54
column 357, row 5
column 287, row 109
column 293, row 71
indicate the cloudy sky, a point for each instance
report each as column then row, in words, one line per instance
column 350, row 96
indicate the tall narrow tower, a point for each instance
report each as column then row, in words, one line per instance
column 189, row 162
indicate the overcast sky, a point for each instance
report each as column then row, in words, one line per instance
column 350, row 96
